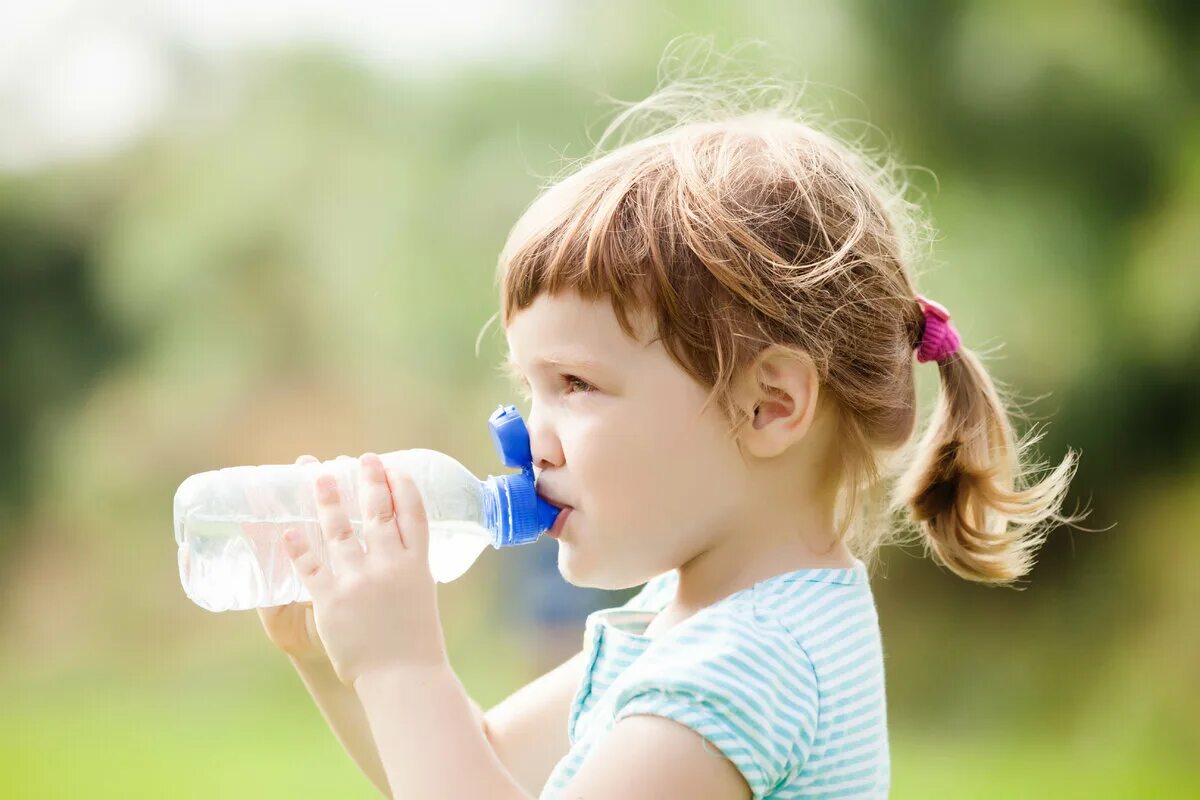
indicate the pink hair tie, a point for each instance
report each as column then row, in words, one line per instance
column 939, row 340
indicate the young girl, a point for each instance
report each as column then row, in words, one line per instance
column 717, row 327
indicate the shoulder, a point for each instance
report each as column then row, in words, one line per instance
column 737, row 678
column 831, row 615
column 786, row 621
column 741, row 644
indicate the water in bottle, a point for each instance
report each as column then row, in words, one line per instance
column 229, row 523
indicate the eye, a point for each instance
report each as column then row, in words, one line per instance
column 577, row 385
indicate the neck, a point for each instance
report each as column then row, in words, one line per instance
column 772, row 536
column 730, row 566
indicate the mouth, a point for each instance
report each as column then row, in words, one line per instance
column 560, row 522
column 552, row 501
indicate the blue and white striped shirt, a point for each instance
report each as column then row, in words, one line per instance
column 785, row 678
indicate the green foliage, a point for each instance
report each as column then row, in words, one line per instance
column 299, row 259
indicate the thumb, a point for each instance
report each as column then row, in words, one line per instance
column 310, row 627
column 410, row 512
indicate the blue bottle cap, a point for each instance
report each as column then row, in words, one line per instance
column 514, row 512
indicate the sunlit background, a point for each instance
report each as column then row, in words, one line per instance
column 231, row 233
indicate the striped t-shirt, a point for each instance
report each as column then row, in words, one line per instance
column 785, row 678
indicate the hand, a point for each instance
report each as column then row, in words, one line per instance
column 291, row 627
column 379, row 610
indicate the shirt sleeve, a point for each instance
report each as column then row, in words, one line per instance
column 748, row 688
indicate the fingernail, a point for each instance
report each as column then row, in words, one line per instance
column 372, row 464
column 327, row 486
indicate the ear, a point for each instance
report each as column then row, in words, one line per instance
column 780, row 389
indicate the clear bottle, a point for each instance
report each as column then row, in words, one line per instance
column 229, row 522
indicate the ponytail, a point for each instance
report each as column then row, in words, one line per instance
column 966, row 488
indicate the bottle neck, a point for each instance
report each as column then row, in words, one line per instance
column 513, row 512
column 493, row 511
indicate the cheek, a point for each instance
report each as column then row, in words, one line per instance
column 693, row 481
column 655, row 473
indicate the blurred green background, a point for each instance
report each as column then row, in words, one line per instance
column 233, row 235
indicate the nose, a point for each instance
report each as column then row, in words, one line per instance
column 544, row 444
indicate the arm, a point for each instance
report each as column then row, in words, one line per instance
column 647, row 757
column 527, row 732
column 428, row 735
column 344, row 713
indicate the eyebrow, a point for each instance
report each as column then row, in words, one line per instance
column 564, row 362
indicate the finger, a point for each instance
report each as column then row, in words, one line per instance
column 410, row 512
column 312, row 573
column 380, row 528
column 344, row 548
column 304, row 501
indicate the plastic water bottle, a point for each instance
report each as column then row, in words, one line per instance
column 229, row 523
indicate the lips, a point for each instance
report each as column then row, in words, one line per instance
column 560, row 522
column 552, row 500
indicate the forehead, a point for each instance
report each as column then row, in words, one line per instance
column 566, row 326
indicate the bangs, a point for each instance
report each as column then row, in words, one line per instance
column 592, row 234
column 729, row 237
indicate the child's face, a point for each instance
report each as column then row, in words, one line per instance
column 617, row 434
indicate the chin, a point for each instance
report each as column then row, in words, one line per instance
column 574, row 569
column 571, row 570
column 579, row 572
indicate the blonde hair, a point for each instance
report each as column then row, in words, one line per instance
column 736, row 229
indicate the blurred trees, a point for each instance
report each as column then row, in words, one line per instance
column 301, row 256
